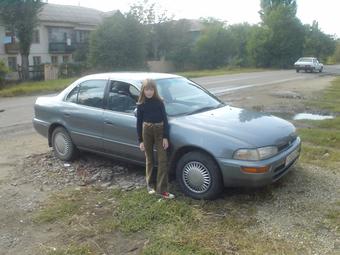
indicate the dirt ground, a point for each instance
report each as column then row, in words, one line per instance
column 25, row 183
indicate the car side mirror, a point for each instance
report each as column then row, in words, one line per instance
column 135, row 112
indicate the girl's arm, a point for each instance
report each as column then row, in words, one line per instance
column 139, row 123
column 165, row 121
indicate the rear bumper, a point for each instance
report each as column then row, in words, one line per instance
column 234, row 176
column 41, row 127
column 305, row 67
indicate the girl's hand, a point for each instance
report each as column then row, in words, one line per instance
column 165, row 143
column 141, row 146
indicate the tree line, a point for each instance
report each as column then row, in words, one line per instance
column 125, row 41
column 128, row 40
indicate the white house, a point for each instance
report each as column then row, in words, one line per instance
column 62, row 28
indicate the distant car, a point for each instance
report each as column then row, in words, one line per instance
column 308, row 64
column 212, row 144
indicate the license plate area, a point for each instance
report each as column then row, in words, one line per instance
column 292, row 156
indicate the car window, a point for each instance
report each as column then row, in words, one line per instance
column 122, row 97
column 182, row 96
column 91, row 93
column 73, row 95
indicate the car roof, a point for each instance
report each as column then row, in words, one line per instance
column 133, row 77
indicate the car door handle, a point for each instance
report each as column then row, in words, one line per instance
column 67, row 114
column 108, row 123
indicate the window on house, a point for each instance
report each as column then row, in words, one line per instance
column 36, row 60
column 66, row 59
column 54, row 60
column 36, row 36
column 12, row 63
column 82, row 36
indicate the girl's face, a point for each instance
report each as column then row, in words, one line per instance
column 149, row 92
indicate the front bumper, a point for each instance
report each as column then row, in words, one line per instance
column 234, row 176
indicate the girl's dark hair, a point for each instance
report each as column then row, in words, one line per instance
column 148, row 83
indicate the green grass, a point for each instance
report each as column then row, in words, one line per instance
column 321, row 140
column 180, row 226
column 71, row 250
column 59, row 208
column 29, row 88
column 329, row 99
column 220, row 71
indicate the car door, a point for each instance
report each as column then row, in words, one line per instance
column 84, row 114
column 120, row 133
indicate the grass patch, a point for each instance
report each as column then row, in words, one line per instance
column 181, row 226
column 72, row 250
column 321, row 141
column 59, row 207
column 321, row 137
column 28, row 88
column 329, row 99
column 220, row 71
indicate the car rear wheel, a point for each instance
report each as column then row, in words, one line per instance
column 320, row 71
column 62, row 144
column 199, row 176
column 297, row 70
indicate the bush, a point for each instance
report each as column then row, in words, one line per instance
column 3, row 71
column 72, row 69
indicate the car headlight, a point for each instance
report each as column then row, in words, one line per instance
column 256, row 154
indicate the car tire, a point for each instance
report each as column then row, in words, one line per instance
column 199, row 176
column 297, row 70
column 62, row 144
column 320, row 71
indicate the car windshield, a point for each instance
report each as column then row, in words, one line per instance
column 305, row 60
column 183, row 97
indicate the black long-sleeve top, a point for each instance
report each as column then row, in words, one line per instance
column 152, row 110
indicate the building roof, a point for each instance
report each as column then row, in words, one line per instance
column 70, row 13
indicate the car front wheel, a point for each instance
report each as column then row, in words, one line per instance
column 199, row 176
column 62, row 144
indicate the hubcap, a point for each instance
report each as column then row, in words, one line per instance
column 61, row 144
column 196, row 177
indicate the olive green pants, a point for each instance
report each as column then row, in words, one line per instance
column 153, row 136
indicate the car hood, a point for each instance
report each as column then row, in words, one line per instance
column 252, row 128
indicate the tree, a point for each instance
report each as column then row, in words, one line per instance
column 177, row 43
column 337, row 52
column 214, row 47
column 282, row 35
column 155, row 20
column 317, row 43
column 21, row 18
column 118, row 43
column 241, row 34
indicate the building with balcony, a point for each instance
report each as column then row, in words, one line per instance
column 62, row 29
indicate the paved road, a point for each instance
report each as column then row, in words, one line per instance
column 16, row 113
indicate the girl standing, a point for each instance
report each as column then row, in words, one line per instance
column 153, row 130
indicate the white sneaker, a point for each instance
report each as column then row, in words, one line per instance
column 151, row 191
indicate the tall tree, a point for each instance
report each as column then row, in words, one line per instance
column 317, row 43
column 118, row 44
column 21, row 18
column 214, row 47
column 284, row 34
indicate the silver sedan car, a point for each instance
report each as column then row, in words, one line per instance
column 212, row 144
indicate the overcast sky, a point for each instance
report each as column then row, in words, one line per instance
column 326, row 12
